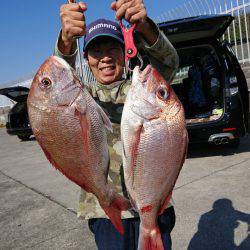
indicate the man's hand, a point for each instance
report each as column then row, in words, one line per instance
column 73, row 24
column 134, row 12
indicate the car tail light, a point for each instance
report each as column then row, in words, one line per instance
column 232, row 80
column 233, row 89
column 228, row 129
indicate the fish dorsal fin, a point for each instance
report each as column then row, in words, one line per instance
column 105, row 118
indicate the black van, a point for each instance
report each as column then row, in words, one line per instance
column 210, row 82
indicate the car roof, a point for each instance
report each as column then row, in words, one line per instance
column 194, row 28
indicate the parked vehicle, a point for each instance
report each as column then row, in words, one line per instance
column 18, row 120
column 210, row 82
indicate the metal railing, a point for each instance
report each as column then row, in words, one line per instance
column 88, row 77
column 238, row 34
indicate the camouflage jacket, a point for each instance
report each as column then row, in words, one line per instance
column 111, row 98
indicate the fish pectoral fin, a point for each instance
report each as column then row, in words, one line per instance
column 84, row 123
column 105, row 118
column 134, row 148
column 80, row 107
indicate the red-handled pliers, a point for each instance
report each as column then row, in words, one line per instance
column 131, row 51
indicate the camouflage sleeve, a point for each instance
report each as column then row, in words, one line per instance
column 162, row 55
column 70, row 59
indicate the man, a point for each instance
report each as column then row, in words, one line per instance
column 104, row 52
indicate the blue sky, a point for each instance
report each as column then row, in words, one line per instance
column 28, row 30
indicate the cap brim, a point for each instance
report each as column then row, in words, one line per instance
column 103, row 35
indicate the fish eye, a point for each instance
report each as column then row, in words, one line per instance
column 45, row 83
column 162, row 93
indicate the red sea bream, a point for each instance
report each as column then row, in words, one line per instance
column 71, row 129
column 155, row 139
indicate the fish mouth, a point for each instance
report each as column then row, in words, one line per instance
column 141, row 75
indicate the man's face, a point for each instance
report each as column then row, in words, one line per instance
column 106, row 60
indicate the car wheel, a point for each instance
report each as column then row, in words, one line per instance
column 24, row 137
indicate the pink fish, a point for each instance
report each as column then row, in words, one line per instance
column 71, row 129
column 155, row 139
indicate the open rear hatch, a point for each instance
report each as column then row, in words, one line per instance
column 17, row 94
column 194, row 28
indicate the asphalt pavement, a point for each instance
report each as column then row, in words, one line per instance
column 37, row 203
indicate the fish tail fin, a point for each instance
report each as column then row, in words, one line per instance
column 150, row 239
column 113, row 211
